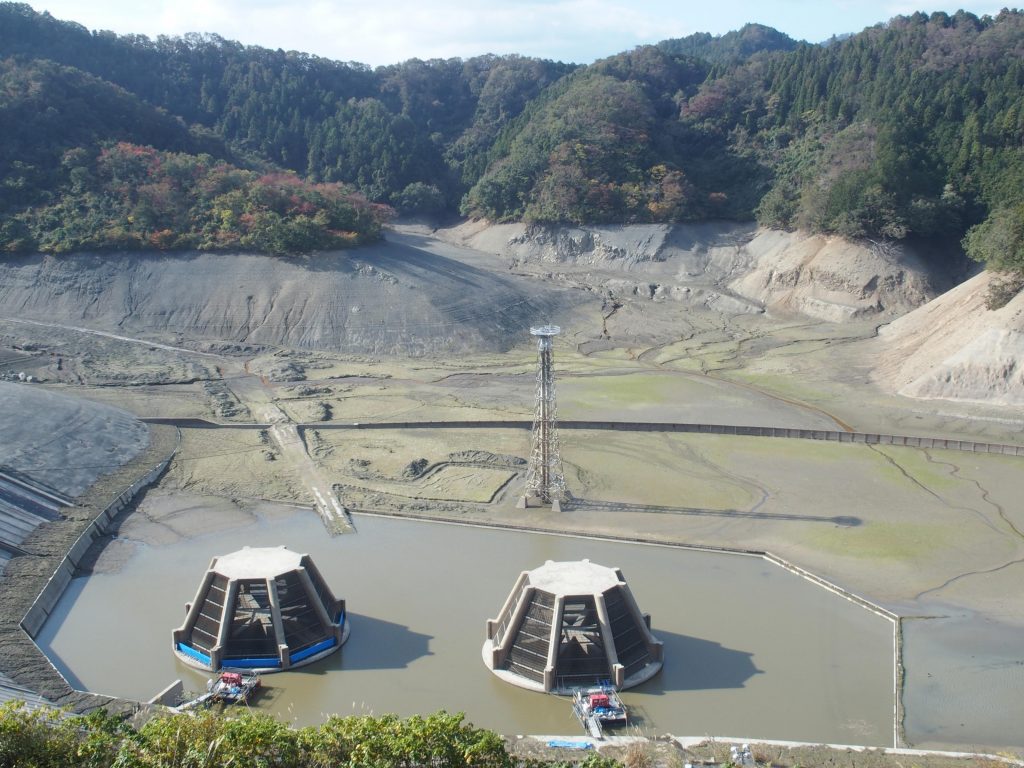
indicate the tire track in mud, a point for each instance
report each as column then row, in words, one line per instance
column 747, row 484
column 758, row 494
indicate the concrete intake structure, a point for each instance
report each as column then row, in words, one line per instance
column 569, row 625
column 266, row 609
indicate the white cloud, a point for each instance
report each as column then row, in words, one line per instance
column 401, row 29
column 387, row 33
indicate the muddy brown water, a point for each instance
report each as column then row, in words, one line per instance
column 964, row 675
column 750, row 649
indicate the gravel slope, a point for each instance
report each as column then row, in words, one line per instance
column 65, row 442
column 392, row 298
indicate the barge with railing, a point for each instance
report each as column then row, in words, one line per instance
column 598, row 708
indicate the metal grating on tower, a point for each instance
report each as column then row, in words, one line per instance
column 569, row 625
column 263, row 608
column 544, row 479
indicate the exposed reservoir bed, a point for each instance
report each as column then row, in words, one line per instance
column 750, row 648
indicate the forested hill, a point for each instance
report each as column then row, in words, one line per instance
column 911, row 128
column 732, row 47
column 424, row 124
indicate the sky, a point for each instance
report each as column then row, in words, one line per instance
column 580, row 31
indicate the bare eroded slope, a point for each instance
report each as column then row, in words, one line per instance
column 955, row 348
column 726, row 266
column 393, row 298
column 416, row 295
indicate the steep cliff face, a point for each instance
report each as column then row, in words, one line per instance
column 388, row 299
column 732, row 267
column 955, row 348
column 833, row 279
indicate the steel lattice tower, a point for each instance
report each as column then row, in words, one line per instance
column 544, row 479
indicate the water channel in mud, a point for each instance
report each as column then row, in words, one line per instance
column 750, row 649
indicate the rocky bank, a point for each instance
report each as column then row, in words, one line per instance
column 725, row 266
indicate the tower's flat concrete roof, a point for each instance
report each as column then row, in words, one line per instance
column 258, row 563
column 576, row 577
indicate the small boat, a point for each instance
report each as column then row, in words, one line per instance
column 597, row 708
column 229, row 688
column 233, row 687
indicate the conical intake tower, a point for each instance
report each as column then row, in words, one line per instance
column 266, row 609
column 568, row 625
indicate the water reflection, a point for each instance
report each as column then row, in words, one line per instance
column 54, row 625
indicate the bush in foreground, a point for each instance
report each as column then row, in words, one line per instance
column 46, row 738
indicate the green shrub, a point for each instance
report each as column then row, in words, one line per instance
column 45, row 738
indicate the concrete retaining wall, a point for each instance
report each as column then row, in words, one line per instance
column 866, row 438
column 894, row 618
column 43, row 606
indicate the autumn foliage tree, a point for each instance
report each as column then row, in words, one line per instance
column 132, row 197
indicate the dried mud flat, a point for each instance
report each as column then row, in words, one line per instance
column 933, row 535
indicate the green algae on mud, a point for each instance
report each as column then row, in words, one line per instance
column 631, row 391
column 905, row 542
column 664, row 472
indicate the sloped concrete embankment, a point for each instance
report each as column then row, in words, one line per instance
column 31, row 584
